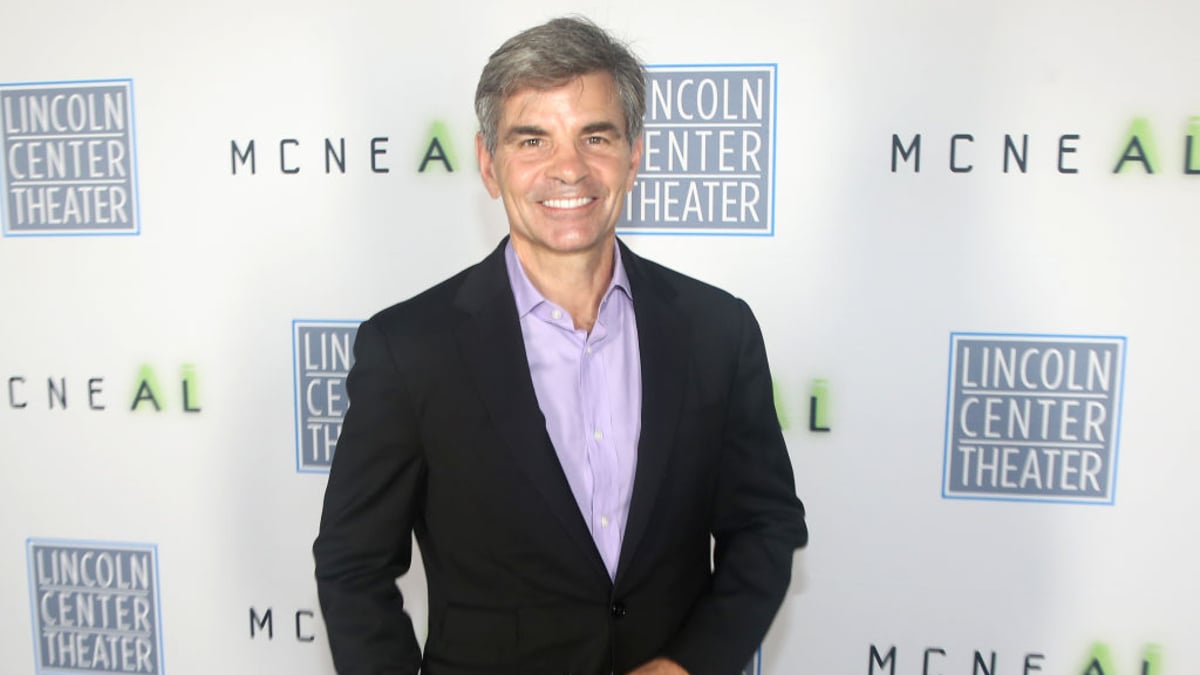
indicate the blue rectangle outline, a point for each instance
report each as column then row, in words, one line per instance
column 30, row 541
column 1112, row 499
column 1034, row 500
column 1117, row 426
column 137, row 203
column 296, row 383
column 774, row 67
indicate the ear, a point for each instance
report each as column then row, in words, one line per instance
column 487, row 166
column 635, row 161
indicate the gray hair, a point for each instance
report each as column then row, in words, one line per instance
column 549, row 56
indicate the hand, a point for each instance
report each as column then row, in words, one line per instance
column 659, row 667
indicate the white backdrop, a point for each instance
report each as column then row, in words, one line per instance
column 865, row 275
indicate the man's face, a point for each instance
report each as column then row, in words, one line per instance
column 562, row 165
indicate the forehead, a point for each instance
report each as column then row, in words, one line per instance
column 592, row 96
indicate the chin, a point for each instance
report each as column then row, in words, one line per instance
column 576, row 238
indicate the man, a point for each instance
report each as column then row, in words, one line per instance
column 564, row 426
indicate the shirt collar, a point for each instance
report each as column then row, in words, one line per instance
column 528, row 297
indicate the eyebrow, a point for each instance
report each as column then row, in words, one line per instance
column 534, row 130
column 525, row 130
column 601, row 127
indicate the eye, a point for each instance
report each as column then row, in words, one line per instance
column 595, row 140
column 534, row 142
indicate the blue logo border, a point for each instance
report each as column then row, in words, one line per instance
column 297, row 323
column 137, row 193
column 82, row 543
column 1120, row 394
column 715, row 232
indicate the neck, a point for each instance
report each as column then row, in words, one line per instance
column 574, row 281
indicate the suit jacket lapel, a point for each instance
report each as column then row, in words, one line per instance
column 494, row 351
column 662, row 334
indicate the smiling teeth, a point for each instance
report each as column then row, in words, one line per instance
column 567, row 203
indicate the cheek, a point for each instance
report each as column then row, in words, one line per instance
column 518, row 177
column 629, row 180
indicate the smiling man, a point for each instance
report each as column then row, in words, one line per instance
column 583, row 442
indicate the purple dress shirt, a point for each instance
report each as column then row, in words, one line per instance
column 589, row 387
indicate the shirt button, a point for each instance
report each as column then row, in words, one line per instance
column 556, row 314
column 598, row 435
column 603, row 521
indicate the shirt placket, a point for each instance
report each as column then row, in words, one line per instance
column 602, row 452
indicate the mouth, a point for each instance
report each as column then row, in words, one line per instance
column 572, row 203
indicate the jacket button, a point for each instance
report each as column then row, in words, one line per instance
column 618, row 610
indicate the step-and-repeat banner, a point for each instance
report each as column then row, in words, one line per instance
column 968, row 230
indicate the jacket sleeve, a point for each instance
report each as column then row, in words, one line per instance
column 757, row 525
column 372, row 501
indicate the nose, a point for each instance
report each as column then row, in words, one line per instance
column 568, row 164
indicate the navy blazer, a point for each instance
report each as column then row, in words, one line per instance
column 444, row 439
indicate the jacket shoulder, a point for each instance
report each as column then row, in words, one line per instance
column 428, row 310
column 693, row 296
